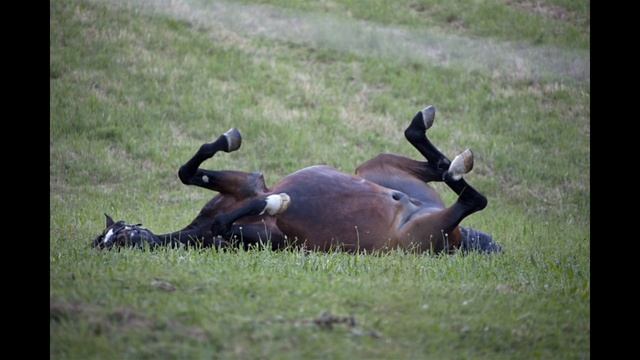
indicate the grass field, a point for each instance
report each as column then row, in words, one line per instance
column 137, row 87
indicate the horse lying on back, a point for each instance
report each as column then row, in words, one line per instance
column 387, row 204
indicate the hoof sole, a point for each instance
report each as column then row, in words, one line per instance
column 461, row 164
column 428, row 116
column 234, row 139
column 277, row 204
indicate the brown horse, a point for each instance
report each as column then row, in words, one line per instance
column 387, row 204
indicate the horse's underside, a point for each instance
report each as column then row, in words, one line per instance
column 387, row 204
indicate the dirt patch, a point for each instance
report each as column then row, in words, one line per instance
column 191, row 332
column 455, row 22
column 61, row 310
column 504, row 289
column 328, row 321
column 120, row 320
column 418, row 7
column 163, row 285
column 542, row 9
column 128, row 318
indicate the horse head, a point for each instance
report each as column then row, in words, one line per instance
column 121, row 234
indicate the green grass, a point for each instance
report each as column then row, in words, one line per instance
column 134, row 94
column 552, row 22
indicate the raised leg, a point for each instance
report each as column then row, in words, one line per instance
column 416, row 134
column 239, row 184
column 452, row 173
column 273, row 204
column 469, row 199
column 227, row 142
column 439, row 226
column 439, row 229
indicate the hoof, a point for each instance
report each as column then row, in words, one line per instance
column 428, row 116
column 461, row 164
column 234, row 139
column 277, row 204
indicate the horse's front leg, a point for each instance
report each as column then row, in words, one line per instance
column 272, row 205
column 238, row 184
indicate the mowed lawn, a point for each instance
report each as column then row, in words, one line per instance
column 136, row 88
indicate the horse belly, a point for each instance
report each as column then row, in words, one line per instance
column 331, row 209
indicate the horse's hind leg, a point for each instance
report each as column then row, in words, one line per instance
column 440, row 229
column 469, row 199
column 451, row 172
column 236, row 183
column 416, row 134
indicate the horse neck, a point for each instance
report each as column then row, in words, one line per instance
column 189, row 235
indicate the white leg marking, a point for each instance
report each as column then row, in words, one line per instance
column 205, row 178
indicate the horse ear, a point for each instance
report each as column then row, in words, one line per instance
column 109, row 220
